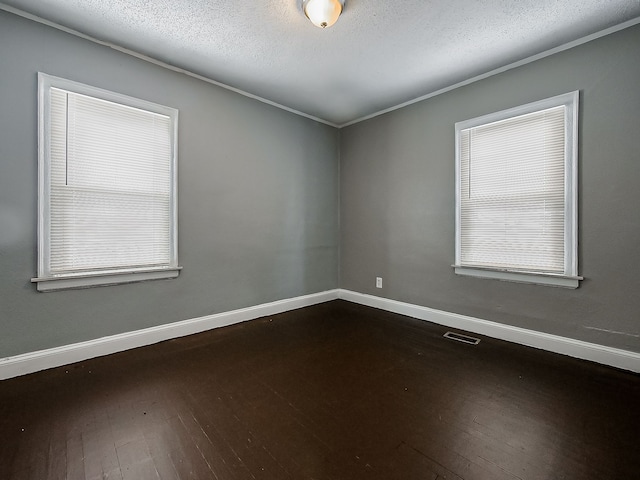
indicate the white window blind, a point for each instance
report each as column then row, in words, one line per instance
column 108, row 182
column 516, row 191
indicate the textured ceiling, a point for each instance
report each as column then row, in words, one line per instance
column 379, row 54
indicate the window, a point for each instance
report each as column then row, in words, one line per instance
column 107, row 187
column 516, row 194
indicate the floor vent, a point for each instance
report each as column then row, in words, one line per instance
column 458, row 337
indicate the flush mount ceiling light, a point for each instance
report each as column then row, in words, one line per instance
column 323, row 13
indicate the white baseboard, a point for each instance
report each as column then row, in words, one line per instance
column 67, row 354
column 614, row 357
column 76, row 352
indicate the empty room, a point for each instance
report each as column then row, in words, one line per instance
column 319, row 239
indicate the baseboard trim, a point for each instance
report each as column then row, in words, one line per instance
column 54, row 357
column 614, row 357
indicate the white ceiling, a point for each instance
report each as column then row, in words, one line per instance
column 380, row 53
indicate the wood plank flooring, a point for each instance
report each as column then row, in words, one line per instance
column 335, row 391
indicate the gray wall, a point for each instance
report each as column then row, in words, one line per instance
column 397, row 198
column 264, row 193
column 258, row 198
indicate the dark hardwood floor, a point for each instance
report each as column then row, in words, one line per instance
column 334, row 391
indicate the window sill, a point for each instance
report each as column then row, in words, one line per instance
column 71, row 281
column 520, row 277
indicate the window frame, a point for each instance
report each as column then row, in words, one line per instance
column 49, row 281
column 569, row 278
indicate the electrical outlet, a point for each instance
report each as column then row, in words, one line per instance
column 378, row 282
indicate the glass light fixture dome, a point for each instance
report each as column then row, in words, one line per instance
column 322, row 13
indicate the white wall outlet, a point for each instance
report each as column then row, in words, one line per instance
column 378, row 282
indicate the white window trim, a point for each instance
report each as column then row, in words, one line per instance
column 570, row 278
column 46, row 281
